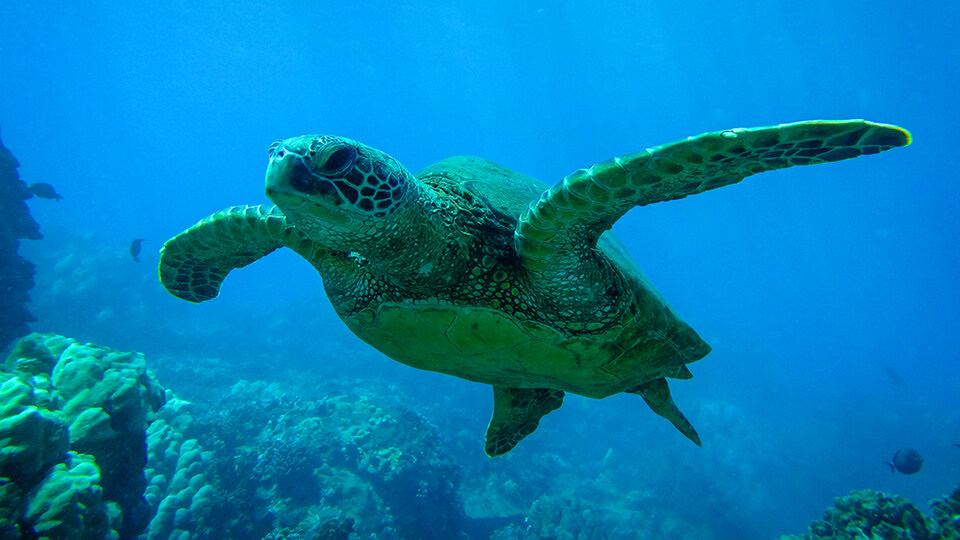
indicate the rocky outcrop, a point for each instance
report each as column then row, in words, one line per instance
column 73, row 443
column 16, row 273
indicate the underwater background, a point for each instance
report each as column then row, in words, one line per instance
column 829, row 293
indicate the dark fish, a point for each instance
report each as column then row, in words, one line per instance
column 135, row 248
column 907, row 461
column 44, row 191
column 895, row 377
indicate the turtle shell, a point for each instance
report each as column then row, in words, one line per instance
column 485, row 344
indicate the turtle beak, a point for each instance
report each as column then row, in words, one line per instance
column 295, row 189
column 288, row 173
column 284, row 167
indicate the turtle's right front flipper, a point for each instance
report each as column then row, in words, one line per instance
column 194, row 263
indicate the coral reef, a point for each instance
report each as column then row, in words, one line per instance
column 946, row 515
column 627, row 496
column 93, row 447
column 73, row 426
column 321, row 466
column 108, row 398
column 179, row 496
column 16, row 273
column 867, row 514
column 871, row 513
column 69, row 503
column 566, row 516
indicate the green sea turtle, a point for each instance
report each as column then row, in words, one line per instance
column 471, row 269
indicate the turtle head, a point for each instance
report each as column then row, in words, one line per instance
column 335, row 182
column 349, row 197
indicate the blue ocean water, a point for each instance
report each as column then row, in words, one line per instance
column 816, row 286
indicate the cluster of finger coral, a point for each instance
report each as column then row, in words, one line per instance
column 871, row 514
column 180, row 498
column 73, row 421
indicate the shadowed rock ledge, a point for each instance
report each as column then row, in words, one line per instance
column 16, row 273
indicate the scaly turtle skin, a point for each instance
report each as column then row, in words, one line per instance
column 477, row 271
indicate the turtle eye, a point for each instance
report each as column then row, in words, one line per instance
column 339, row 160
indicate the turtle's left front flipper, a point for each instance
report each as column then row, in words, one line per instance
column 194, row 263
column 568, row 218
column 516, row 414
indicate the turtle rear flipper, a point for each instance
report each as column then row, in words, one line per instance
column 565, row 223
column 516, row 414
column 657, row 395
column 194, row 263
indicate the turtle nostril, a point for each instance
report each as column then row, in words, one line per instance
column 273, row 147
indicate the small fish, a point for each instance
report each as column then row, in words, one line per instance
column 906, row 461
column 44, row 191
column 895, row 377
column 135, row 248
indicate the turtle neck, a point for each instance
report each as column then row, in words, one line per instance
column 412, row 247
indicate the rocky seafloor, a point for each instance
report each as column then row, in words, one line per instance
column 94, row 447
